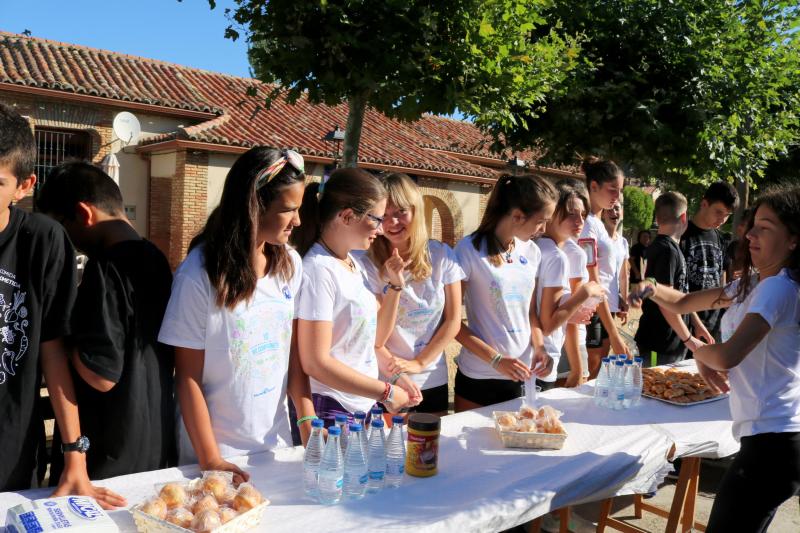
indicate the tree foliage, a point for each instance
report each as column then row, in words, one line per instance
column 493, row 59
column 676, row 90
column 639, row 208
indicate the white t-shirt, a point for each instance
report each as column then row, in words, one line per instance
column 420, row 310
column 622, row 254
column 577, row 260
column 332, row 293
column 765, row 386
column 246, row 357
column 553, row 272
column 593, row 228
column 498, row 301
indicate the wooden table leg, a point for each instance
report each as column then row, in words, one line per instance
column 691, row 495
column 536, row 525
column 605, row 511
column 637, row 505
column 563, row 519
column 688, row 466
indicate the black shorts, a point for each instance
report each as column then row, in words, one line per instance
column 487, row 391
column 596, row 332
column 434, row 400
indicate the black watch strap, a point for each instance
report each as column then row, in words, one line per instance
column 81, row 445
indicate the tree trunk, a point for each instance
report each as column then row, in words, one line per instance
column 352, row 135
column 743, row 189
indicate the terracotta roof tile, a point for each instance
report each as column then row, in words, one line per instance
column 432, row 143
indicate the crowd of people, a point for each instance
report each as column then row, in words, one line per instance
column 300, row 301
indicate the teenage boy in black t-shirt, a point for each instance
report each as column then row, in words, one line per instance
column 37, row 290
column 123, row 375
column 704, row 248
column 660, row 331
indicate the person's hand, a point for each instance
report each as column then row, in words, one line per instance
column 716, row 380
column 582, row 316
column 592, row 289
column 395, row 269
column 513, row 368
column 618, row 345
column 75, row 481
column 409, row 366
column 221, row 465
column 693, row 344
column 574, row 379
column 645, row 290
column 541, row 364
column 412, row 389
column 400, row 399
column 702, row 333
column 622, row 314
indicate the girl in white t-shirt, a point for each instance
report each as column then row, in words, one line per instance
column 760, row 356
column 604, row 181
column 231, row 315
column 502, row 340
column 338, row 314
column 428, row 312
column 556, row 302
column 618, row 291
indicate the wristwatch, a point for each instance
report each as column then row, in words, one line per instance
column 81, row 445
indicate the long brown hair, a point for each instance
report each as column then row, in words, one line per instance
column 404, row 193
column 528, row 193
column 229, row 235
column 347, row 188
column 599, row 170
column 784, row 200
column 569, row 188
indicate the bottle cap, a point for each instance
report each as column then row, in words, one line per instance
column 355, row 427
column 638, row 359
column 317, row 423
column 628, row 361
column 377, row 423
column 606, row 359
column 376, row 410
column 620, row 363
column 359, row 415
column 397, row 419
column 334, row 431
column 340, row 418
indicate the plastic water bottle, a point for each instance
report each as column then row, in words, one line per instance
column 311, row 459
column 355, row 465
column 360, row 417
column 341, row 422
column 376, row 457
column 377, row 414
column 395, row 454
column 617, row 394
column 628, row 384
column 602, row 384
column 638, row 382
column 331, row 469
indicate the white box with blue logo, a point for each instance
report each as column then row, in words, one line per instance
column 77, row 514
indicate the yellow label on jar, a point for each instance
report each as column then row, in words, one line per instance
column 422, row 453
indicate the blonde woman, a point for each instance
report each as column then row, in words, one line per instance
column 427, row 316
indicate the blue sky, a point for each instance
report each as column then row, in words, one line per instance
column 188, row 33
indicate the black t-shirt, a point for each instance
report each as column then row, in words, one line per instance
column 37, row 290
column 638, row 251
column 704, row 251
column 665, row 262
column 115, row 323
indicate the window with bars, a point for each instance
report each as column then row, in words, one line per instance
column 54, row 146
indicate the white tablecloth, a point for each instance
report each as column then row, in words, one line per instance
column 482, row 486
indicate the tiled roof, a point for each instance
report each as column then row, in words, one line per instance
column 432, row 144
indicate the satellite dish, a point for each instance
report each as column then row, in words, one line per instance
column 127, row 127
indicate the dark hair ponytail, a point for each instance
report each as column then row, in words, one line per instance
column 599, row 170
column 229, row 235
column 347, row 188
column 527, row 193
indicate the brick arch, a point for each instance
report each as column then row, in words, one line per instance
column 442, row 215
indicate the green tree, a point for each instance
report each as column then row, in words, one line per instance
column 491, row 59
column 693, row 90
column 639, row 209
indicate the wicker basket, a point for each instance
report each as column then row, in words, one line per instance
column 146, row 523
column 519, row 439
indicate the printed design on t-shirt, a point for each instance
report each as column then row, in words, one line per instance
column 13, row 334
column 704, row 264
column 414, row 313
column 361, row 336
column 260, row 340
column 510, row 292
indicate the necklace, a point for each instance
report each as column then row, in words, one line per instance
column 347, row 262
column 508, row 251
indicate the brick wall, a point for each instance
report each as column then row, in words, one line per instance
column 446, row 222
column 188, row 202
